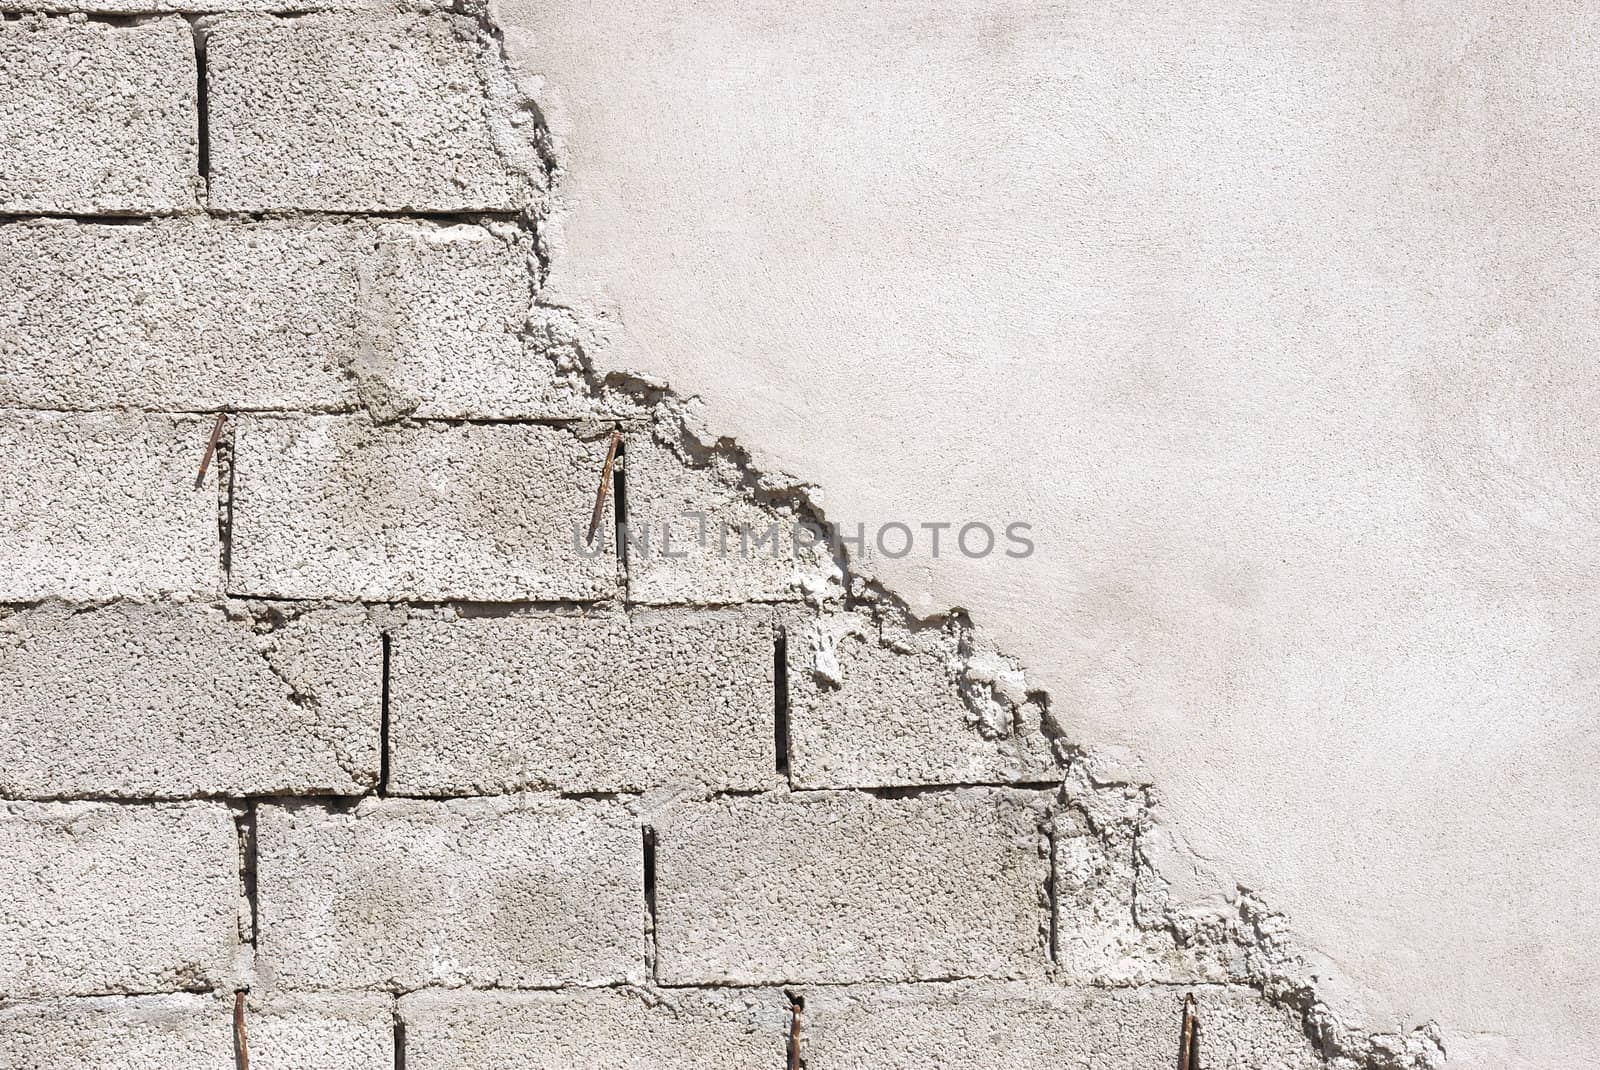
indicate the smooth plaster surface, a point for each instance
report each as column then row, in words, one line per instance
column 1277, row 321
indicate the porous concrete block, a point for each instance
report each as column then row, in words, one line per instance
column 283, row 1031
column 844, row 887
column 153, row 701
column 1036, row 1027
column 355, row 113
column 447, row 310
column 195, row 314
column 104, row 898
column 318, row 1030
column 593, row 703
column 337, row 507
column 178, row 314
column 869, row 710
column 103, row 505
column 697, row 535
column 170, row 1032
column 518, row 892
column 598, row 1030
column 97, row 118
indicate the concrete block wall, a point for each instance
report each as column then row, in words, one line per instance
column 362, row 725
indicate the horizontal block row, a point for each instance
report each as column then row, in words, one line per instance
column 178, row 700
column 523, row 892
column 910, row 1027
column 381, row 112
column 101, row 505
column 194, row 314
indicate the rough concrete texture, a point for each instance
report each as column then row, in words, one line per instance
column 602, row 1030
column 135, row 701
column 168, row 1032
column 842, row 887
column 194, row 7
column 283, row 1031
column 1036, row 1027
column 603, row 703
column 412, row 128
column 104, row 506
column 335, row 507
column 97, row 118
column 697, row 537
column 447, row 309
column 516, row 892
column 874, row 710
column 177, row 314
column 102, row 898
column 318, row 1031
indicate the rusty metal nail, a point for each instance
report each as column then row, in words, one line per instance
column 211, row 448
column 241, row 1051
column 605, row 484
column 1188, row 1057
column 794, row 1035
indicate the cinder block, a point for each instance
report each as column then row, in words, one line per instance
column 148, row 701
column 318, row 1031
column 447, row 311
column 353, row 113
column 97, row 118
column 604, row 703
column 519, row 892
column 697, row 536
column 104, row 506
column 1035, row 1027
column 192, row 314
column 842, row 887
column 337, row 507
column 178, row 314
column 174, row 1032
column 870, row 711
column 284, row 1031
column 104, row 898
column 599, row 1030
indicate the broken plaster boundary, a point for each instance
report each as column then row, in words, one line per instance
column 1273, row 964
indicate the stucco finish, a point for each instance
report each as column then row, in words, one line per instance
column 1278, row 322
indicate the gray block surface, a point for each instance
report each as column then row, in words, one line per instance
column 382, row 113
column 337, row 507
column 402, row 894
column 843, row 887
column 865, row 713
column 103, row 505
column 283, row 1031
column 600, row 1030
column 603, row 703
column 148, row 701
column 1037, row 1027
column 178, row 314
column 104, row 898
column 697, row 537
column 97, row 118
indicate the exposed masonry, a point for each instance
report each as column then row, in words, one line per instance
column 361, row 728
